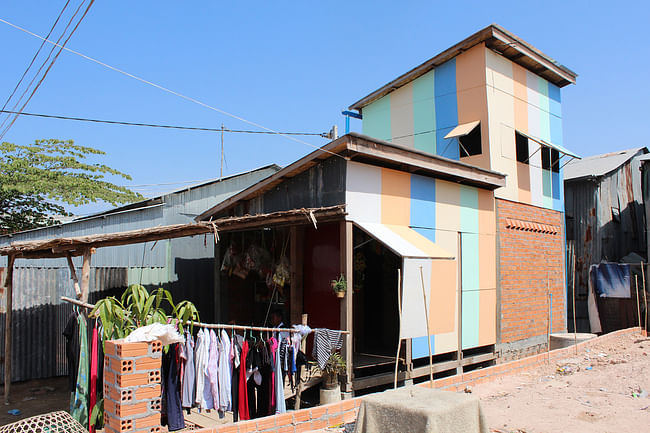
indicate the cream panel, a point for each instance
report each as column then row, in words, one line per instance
column 401, row 115
column 413, row 322
column 447, row 342
column 363, row 195
column 447, row 206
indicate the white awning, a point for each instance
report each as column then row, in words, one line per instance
column 557, row 147
column 463, row 129
column 404, row 241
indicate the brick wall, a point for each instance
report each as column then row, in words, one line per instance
column 132, row 387
column 531, row 264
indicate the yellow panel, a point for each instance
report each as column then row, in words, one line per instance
column 401, row 115
column 395, row 197
column 447, row 206
column 487, row 317
column 442, row 302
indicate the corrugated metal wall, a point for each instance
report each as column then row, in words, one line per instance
column 185, row 266
column 591, row 206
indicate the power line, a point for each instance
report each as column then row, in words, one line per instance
column 56, row 56
column 164, row 89
column 155, row 125
column 35, row 56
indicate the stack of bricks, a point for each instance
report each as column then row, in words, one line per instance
column 132, row 389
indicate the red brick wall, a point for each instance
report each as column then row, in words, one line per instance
column 531, row 263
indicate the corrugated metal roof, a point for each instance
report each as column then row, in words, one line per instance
column 599, row 165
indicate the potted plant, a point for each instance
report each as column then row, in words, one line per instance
column 334, row 366
column 339, row 286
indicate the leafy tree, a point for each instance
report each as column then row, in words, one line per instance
column 33, row 178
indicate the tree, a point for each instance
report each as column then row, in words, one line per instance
column 38, row 179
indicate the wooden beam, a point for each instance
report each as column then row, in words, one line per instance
column 73, row 276
column 85, row 274
column 8, row 286
column 347, row 269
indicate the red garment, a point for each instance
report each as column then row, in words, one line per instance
column 93, row 375
column 243, row 389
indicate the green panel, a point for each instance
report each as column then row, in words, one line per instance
column 424, row 113
column 376, row 119
column 469, row 262
column 546, row 184
column 470, row 319
column 468, row 209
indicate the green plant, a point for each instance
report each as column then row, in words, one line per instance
column 340, row 285
column 97, row 415
column 137, row 307
column 334, row 366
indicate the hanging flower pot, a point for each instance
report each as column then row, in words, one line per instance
column 339, row 286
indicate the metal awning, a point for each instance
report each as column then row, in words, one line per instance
column 463, row 129
column 557, row 147
column 404, row 241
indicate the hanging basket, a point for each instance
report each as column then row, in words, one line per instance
column 340, row 294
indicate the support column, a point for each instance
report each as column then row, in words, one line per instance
column 8, row 286
column 347, row 269
column 85, row 274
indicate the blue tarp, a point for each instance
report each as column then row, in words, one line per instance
column 611, row 280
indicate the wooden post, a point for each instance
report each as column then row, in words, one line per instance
column 638, row 306
column 347, row 263
column 573, row 295
column 645, row 300
column 8, row 285
column 85, row 274
column 73, row 276
column 426, row 318
column 303, row 348
column 399, row 308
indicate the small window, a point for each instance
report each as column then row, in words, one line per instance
column 521, row 142
column 470, row 144
column 550, row 159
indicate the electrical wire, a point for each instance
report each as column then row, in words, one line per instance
column 56, row 56
column 180, row 95
column 156, row 125
column 35, row 56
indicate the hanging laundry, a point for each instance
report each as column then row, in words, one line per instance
column 243, row 389
column 171, row 383
column 79, row 406
column 235, row 353
column 225, row 374
column 273, row 346
column 93, row 374
column 213, row 367
column 71, row 333
column 189, row 379
column 280, row 406
column 326, row 341
column 201, row 355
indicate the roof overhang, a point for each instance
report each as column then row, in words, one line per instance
column 495, row 38
column 75, row 246
column 361, row 148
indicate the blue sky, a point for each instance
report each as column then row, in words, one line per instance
column 293, row 66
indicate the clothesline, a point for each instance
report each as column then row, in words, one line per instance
column 206, row 325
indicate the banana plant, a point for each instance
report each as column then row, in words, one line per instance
column 137, row 307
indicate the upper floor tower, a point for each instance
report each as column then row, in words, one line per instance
column 492, row 101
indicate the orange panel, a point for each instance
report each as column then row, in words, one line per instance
column 487, row 317
column 442, row 303
column 523, row 182
column 471, row 91
column 521, row 98
column 487, row 261
column 395, row 197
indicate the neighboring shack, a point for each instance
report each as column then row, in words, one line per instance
column 604, row 217
column 184, row 265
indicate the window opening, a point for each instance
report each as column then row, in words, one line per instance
column 521, row 142
column 470, row 144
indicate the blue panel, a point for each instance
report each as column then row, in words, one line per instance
column 420, row 348
column 555, row 102
column 556, row 130
column 555, row 179
column 423, row 202
column 446, row 109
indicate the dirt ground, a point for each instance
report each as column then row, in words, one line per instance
column 602, row 389
column 36, row 397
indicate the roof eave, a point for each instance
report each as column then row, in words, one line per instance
column 558, row 74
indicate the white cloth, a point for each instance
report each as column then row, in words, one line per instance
column 208, row 401
column 225, row 373
column 167, row 334
column 189, row 378
column 200, row 362
column 213, row 369
column 280, row 406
